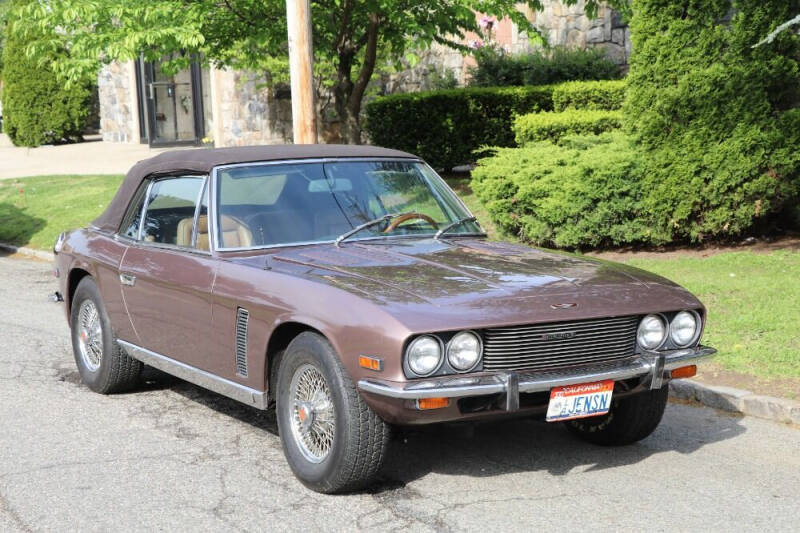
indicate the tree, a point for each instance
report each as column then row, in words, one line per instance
column 350, row 36
column 715, row 119
column 3, row 16
column 37, row 107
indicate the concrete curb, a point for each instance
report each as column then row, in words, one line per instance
column 737, row 401
column 22, row 250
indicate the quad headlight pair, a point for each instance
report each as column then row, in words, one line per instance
column 426, row 354
column 683, row 329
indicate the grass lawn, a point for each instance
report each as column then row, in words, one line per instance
column 33, row 211
column 753, row 301
column 752, row 297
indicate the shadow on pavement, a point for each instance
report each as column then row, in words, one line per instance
column 486, row 449
column 526, row 445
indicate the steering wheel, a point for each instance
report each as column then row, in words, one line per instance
column 410, row 216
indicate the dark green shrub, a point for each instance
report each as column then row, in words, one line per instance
column 496, row 67
column 607, row 95
column 583, row 194
column 445, row 127
column 708, row 113
column 37, row 107
column 552, row 126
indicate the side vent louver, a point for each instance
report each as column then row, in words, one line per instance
column 242, row 316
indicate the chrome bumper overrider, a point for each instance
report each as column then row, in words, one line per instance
column 512, row 383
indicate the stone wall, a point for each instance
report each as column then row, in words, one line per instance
column 119, row 116
column 568, row 26
column 248, row 111
column 560, row 25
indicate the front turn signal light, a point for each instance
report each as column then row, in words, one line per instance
column 684, row 372
column 432, row 403
column 370, row 363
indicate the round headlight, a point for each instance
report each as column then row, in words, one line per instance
column 683, row 328
column 651, row 333
column 464, row 351
column 424, row 355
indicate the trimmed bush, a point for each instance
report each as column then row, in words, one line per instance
column 495, row 67
column 585, row 193
column 552, row 126
column 709, row 115
column 605, row 95
column 37, row 107
column 446, row 127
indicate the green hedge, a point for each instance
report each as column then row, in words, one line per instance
column 446, row 127
column 552, row 126
column 607, row 95
column 37, row 107
column 495, row 67
column 585, row 193
column 711, row 115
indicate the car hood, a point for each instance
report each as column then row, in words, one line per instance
column 482, row 281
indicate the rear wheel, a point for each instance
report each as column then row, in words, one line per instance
column 332, row 440
column 630, row 420
column 104, row 367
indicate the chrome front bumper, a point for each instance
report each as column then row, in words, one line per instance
column 653, row 365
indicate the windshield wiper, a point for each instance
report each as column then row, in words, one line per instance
column 453, row 225
column 364, row 226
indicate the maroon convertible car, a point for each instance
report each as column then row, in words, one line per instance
column 351, row 289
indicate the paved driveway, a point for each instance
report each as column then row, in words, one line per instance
column 94, row 157
column 174, row 457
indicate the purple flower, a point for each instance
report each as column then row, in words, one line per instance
column 475, row 44
column 486, row 22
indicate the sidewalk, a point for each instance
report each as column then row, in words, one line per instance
column 91, row 157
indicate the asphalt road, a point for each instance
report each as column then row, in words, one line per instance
column 177, row 458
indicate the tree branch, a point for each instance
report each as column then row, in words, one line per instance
column 247, row 20
column 368, row 67
column 772, row 36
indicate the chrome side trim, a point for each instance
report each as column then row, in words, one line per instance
column 225, row 387
column 527, row 382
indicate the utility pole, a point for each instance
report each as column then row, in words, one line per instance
column 301, row 58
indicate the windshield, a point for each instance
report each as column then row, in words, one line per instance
column 267, row 205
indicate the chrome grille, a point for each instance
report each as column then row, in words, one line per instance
column 242, row 317
column 559, row 344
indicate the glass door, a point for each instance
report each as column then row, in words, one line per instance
column 173, row 107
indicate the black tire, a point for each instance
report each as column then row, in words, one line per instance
column 360, row 437
column 116, row 371
column 630, row 420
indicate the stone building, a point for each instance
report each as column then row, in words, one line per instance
column 141, row 104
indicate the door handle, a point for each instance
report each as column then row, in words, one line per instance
column 127, row 279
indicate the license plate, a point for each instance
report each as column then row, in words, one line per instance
column 580, row 401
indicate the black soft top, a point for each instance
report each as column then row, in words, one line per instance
column 202, row 160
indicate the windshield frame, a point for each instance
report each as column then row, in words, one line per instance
column 213, row 187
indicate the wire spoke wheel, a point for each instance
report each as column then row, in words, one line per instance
column 312, row 415
column 90, row 335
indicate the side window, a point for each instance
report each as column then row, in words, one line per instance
column 130, row 224
column 201, row 234
column 171, row 205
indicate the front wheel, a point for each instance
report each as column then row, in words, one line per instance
column 630, row 420
column 332, row 440
column 104, row 367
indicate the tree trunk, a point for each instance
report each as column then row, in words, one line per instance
column 348, row 95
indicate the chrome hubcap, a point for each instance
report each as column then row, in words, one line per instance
column 90, row 335
column 312, row 413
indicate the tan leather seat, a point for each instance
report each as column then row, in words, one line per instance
column 184, row 235
column 234, row 234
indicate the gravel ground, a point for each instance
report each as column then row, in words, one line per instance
column 175, row 457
